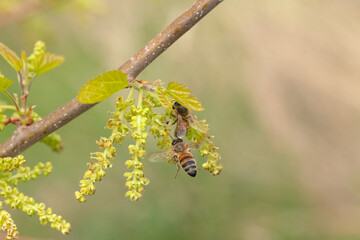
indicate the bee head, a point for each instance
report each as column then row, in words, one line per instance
column 180, row 108
column 176, row 141
column 176, row 104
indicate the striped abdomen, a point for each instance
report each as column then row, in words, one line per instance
column 188, row 163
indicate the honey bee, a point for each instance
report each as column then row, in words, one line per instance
column 184, row 119
column 179, row 155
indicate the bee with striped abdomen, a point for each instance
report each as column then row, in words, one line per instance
column 179, row 155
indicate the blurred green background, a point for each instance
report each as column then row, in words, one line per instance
column 280, row 84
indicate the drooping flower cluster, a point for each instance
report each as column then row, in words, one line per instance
column 135, row 180
column 128, row 119
column 17, row 200
column 97, row 169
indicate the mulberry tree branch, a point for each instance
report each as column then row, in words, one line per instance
column 26, row 136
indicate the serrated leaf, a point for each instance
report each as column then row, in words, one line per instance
column 178, row 89
column 47, row 61
column 163, row 98
column 180, row 93
column 10, row 56
column 102, row 87
column 5, row 83
column 189, row 102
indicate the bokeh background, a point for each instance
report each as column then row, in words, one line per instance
column 280, row 81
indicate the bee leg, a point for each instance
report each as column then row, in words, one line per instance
column 178, row 169
column 171, row 123
column 176, row 161
column 174, row 113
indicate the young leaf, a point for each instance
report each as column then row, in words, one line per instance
column 180, row 93
column 178, row 89
column 4, row 83
column 163, row 98
column 46, row 61
column 24, row 60
column 102, row 87
column 10, row 57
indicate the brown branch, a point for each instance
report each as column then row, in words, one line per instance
column 25, row 137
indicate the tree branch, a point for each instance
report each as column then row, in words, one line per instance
column 25, row 137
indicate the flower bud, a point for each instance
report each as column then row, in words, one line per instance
column 129, row 163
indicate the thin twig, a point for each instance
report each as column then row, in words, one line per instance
column 25, row 137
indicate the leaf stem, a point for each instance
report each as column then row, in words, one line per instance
column 13, row 100
column 11, row 107
column 140, row 98
column 23, row 99
column 130, row 94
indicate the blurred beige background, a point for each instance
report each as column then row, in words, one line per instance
column 280, row 81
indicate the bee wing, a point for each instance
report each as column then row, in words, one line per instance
column 181, row 127
column 160, row 156
column 193, row 145
column 200, row 126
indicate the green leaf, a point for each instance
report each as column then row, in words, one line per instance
column 102, row 87
column 163, row 98
column 46, row 61
column 5, row 83
column 181, row 94
column 10, row 57
column 189, row 102
column 178, row 89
